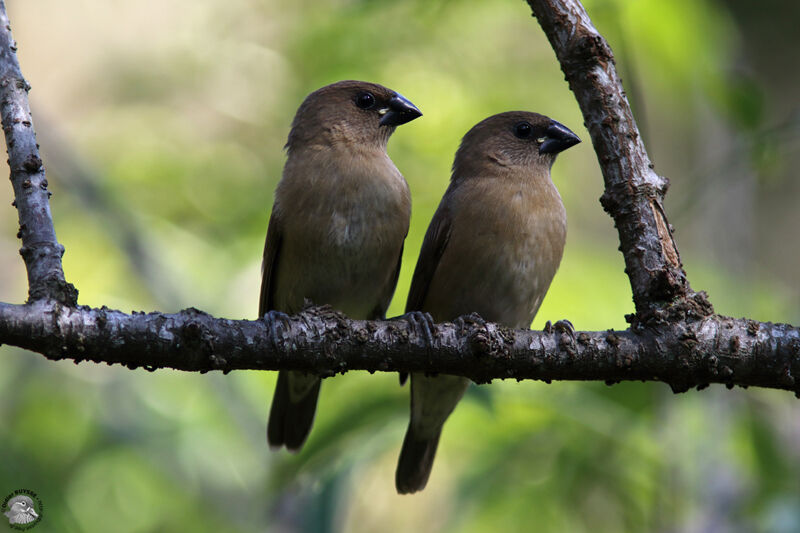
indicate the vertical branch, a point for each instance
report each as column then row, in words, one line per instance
column 40, row 249
column 634, row 193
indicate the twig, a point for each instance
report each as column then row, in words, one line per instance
column 78, row 178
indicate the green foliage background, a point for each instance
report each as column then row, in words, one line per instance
column 162, row 126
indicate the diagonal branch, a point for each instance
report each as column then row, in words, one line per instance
column 40, row 249
column 712, row 350
column 634, row 193
column 677, row 339
column 86, row 184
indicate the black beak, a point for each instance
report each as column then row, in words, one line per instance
column 399, row 112
column 558, row 138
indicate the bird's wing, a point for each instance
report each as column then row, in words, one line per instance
column 379, row 313
column 272, row 248
column 433, row 248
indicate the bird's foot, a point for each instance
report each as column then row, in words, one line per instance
column 422, row 323
column 273, row 319
column 565, row 326
column 472, row 318
column 562, row 326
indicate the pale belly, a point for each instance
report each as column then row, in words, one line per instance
column 500, row 290
column 500, row 273
column 341, row 261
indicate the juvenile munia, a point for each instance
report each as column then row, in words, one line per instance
column 492, row 248
column 337, row 227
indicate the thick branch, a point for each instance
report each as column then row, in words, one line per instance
column 634, row 193
column 40, row 249
column 712, row 350
column 688, row 348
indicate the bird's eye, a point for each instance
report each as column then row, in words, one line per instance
column 365, row 100
column 523, row 130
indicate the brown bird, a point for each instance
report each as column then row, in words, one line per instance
column 337, row 227
column 492, row 248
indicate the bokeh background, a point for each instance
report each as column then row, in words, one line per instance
column 162, row 126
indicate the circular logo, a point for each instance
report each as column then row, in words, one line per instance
column 23, row 509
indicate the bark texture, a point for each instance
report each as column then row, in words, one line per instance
column 40, row 249
column 712, row 350
column 674, row 337
column 634, row 193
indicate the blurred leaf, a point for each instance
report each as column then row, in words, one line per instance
column 182, row 110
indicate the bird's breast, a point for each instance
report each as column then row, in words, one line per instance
column 342, row 236
column 505, row 246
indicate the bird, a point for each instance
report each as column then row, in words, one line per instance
column 21, row 510
column 492, row 248
column 339, row 220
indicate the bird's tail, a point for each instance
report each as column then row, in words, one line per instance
column 416, row 461
column 293, row 407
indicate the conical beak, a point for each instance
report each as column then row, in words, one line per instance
column 399, row 112
column 558, row 138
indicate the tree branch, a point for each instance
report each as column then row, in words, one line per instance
column 40, row 249
column 634, row 193
column 676, row 338
column 319, row 340
column 84, row 183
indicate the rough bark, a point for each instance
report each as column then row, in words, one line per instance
column 712, row 350
column 40, row 249
column 675, row 337
column 634, row 193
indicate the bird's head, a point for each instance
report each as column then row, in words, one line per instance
column 513, row 139
column 350, row 112
column 20, row 505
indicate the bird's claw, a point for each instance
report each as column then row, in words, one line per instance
column 472, row 318
column 562, row 326
column 272, row 319
column 422, row 322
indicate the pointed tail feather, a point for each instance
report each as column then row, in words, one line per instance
column 290, row 421
column 416, row 461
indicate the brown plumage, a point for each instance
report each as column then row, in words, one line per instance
column 492, row 248
column 337, row 227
